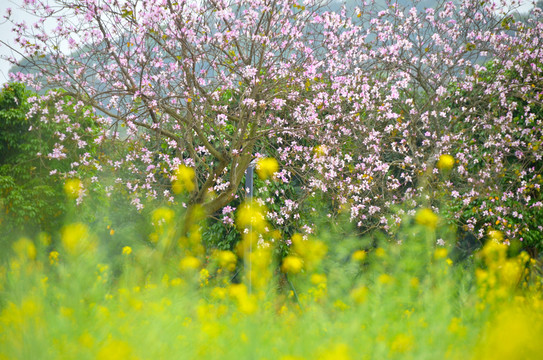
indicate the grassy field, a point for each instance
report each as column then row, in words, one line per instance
column 333, row 297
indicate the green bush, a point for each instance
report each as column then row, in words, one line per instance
column 31, row 196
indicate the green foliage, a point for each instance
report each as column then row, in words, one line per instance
column 31, row 199
column 225, row 236
column 517, row 212
column 27, row 198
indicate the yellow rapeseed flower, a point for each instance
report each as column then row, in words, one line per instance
column 312, row 251
column 340, row 305
column 514, row 333
column 114, row 350
column 86, row 340
column 440, row 253
column 427, row 218
column 72, row 187
column 204, row 277
column 19, row 316
column 380, row 252
column 176, row 282
column 189, row 263
column 53, row 257
column 162, row 216
column 127, row 250
column 359, row 255
column 317, row 279
column 218, row 293
column 251, row 214
column 359, row 294
column 494, row 253
column 227, row 260
column 75, row 238
column 246, row 303
column 185, row 180
column 320, row 150
column 336, row 352
column 385, row 279
column 292, row 264
column 510, row 272
column 445, row 162
column 25, row 249
column 456, row 327
column 237, row 290
column 266, row 167
column 402, row 343
column 496, row 236
column 248, row 242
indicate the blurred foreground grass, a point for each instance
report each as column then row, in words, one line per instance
column 333, row 297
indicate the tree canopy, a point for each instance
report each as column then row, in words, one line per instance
column 359, row 102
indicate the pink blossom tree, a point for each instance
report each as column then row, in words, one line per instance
column 359, row 103
column 409, row 85
column 206, row 80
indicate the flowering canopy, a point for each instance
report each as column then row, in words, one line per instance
column 362, row 101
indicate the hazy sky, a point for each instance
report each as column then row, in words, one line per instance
column 7, row 36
